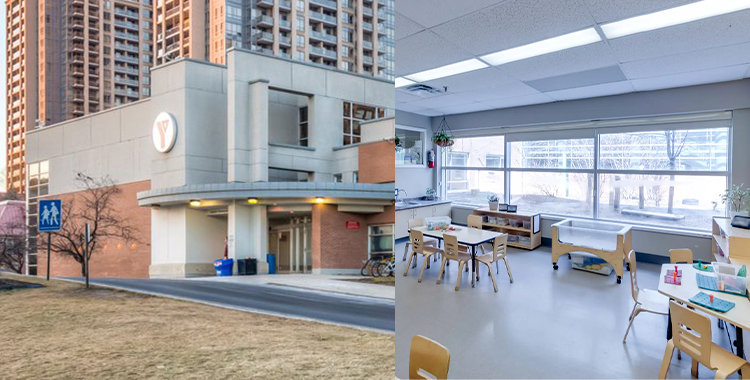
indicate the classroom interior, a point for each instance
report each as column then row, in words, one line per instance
column 571, row 181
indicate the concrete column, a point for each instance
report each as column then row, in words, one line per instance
column 248, row 134
column 247, row 232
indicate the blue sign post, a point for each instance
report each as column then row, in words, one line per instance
column 50, row 219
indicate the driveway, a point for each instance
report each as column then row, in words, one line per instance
column 361, row 312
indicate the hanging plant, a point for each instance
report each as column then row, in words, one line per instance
column 443, row 137
column 398, row 142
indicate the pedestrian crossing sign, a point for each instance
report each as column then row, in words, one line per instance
column 50, row 214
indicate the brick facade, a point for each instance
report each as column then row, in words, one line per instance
column 114, row 258
column 377, row 163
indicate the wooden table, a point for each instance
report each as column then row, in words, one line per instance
column 739, row 316
column 471, row 237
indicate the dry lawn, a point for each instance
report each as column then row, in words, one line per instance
column 66, row 331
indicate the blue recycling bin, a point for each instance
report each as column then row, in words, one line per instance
column 271, row 260
column 224, row 267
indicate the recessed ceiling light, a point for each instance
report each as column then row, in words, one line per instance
column 401, row 82
column 673, row 16
column 566, row 41
column 448, row 70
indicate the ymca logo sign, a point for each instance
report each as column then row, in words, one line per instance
column 164, row 132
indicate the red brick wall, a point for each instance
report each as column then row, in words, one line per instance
column 114, row 258
column 334, row 246
column 377, row 163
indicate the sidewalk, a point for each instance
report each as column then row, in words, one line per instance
column 318, row 282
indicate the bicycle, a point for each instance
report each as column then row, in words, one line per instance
column 387, row 269
column 370, row 266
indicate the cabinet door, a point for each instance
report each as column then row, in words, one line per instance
column 443, row 210
column 402, row 223
column 423, row 212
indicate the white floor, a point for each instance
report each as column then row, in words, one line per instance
column 547, row 324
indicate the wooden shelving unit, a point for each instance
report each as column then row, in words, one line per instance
column 534, row 233
column 732, row 241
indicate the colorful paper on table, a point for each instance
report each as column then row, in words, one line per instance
column 712, row 283
column 703, row 267
column 673, row 280
column 670, row 272
column 719, row 304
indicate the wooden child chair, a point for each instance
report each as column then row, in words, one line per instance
column 498, row 253
column 427, row 355
column 691, row 334
column 418, row 247
column 428, row 241
column 451, row 251
column 474, row 221
column 645, row 299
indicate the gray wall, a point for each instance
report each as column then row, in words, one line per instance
column 416, row 180
column 734, row 96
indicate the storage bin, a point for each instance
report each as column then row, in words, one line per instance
column 438, row 223
column 526, row 240
column 515, row 223
column 527, row 224
column 502, row 221
column 512, row 238
column 727, row 274
column 224, row 267
column 590, row 263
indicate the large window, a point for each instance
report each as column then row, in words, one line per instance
column 474, row 170
column 354, row 114
column 666, row 175
column 411, row 146
column 381, row 240
column 37, row 187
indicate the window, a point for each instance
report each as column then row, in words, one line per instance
column 37, row 186
column 355, row 176
column 381, row 240
column 285, row 175
column 411, row 146
column 664, row 173
column 301, row 23
column 471, row 170
column 303, row 135
column 354, row 114
column 338, row 178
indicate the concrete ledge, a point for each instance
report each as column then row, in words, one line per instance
column 336, row 271
column 181, row 270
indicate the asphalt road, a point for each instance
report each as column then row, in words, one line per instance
column 333, row 308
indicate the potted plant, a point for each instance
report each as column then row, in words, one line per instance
column 736, row 197
column 430, row 193
column 492, row 198
column 398, row 142
column 443, row 137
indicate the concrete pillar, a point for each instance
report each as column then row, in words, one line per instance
column 248, row 234
column 248, row 134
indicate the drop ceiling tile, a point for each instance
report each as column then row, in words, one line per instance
column 435, row 12
column 568, row 61
column 723, row 74
column 519, row 101
column 431, row 113
column 686, row 62
column 729, row 29
column 441, row 101
column 424, row 51
column 464, row 108
column 488, row 77
column 409, row 108
column 605, row 11
column 593, row 77
column 503, row 91
column 403, row 97
column 406, row 27
column 514, row 23
column 605, row 89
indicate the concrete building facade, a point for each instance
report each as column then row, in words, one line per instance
column 351, row 35
column 252, row 153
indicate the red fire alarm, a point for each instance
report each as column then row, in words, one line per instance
column 352, row 225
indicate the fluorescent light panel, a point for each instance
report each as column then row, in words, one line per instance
column 566, row 41
column 674, row 16
column 448, row 70
column 401, row 82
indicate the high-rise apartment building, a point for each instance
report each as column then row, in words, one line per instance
column 69, row 58
column 21, row 85
column 351, row 35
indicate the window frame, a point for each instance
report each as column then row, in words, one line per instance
column 370, row 235
column 424, row 147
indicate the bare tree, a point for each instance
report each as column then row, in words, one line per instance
column 675, row 144
column 95, row 206
column 13, row 247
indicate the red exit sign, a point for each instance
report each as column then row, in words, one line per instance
column 352, row 225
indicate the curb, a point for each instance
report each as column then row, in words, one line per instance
column 332, row 291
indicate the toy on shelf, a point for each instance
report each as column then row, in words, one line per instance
column 703, row 267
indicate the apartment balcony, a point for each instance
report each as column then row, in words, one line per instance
column 264, row 20
column 77, row 112
column 367, row 26
column 285, row 41
column 285, row 25
column 77, row 72
column 124, row 80
column 325, row 37
column 382, row 14
column 285, row 55
column 126, row 92
column 285, row 5
column 367, row 45
column 77, row 12
column 367, row 11
column 93, row 73
column 264, row 3
column 323, row 18
column 171, row 47
column 127, row 13
column 126, row 47
column 77, row 97
column 262, row 50
column 321, row 52
column 264, row 37
column 367, row 60
column 125, row 69
column 325, row 3
column 127, row 25
column 127, row 36
column 76, row 59
column 172, row 12
column 172, row 31
column 78, row 83
column 77, row 36
column 94, row 84
column 126, row 58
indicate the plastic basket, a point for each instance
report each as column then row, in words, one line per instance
column 727, row 276
column 438, row 223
